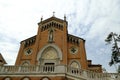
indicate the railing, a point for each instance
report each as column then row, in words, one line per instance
column 27, row 69
column 49, row 68
column 90, row 75
column 69, row 71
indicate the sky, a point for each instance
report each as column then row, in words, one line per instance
column 91, row 20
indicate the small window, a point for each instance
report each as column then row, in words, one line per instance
column 49, row 63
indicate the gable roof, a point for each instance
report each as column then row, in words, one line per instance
column 2, row 60
column 52, row 18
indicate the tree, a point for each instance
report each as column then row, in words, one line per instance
column 114, row 39
column 119, row 69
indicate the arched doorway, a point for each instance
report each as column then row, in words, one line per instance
column 49, row 54
column 48, row 57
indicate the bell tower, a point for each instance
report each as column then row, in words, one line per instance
column 52, row 38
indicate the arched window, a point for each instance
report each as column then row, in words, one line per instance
column 75, row 67
column 25, row 63
column 74, row 64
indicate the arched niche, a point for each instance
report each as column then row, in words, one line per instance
column 25, row 63
column 75, row 64
column 49, row 53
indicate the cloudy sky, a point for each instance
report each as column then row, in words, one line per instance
column 92, row 20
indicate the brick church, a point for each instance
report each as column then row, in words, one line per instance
column 51, row 54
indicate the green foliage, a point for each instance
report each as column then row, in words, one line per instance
column 113, row 39
column 109, row 38
column 119, row 69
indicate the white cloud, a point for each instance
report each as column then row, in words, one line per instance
column 8, row 50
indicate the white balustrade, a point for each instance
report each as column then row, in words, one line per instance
column 88, row 75
column 27, row 69
column 48, row 68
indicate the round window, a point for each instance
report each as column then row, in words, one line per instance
column 28, row 51
column 73, row 50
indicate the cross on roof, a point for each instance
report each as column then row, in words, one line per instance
column 53, row 13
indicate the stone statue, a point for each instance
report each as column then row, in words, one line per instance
column 50, row 35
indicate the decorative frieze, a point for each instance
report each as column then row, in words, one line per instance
column 29, row 41
column 73, row 39
column 52, row 24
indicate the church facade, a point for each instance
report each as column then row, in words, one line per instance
column 51, row 54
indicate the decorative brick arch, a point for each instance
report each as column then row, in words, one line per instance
column 59, row 53
column 25, row 63
column 76, row 61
